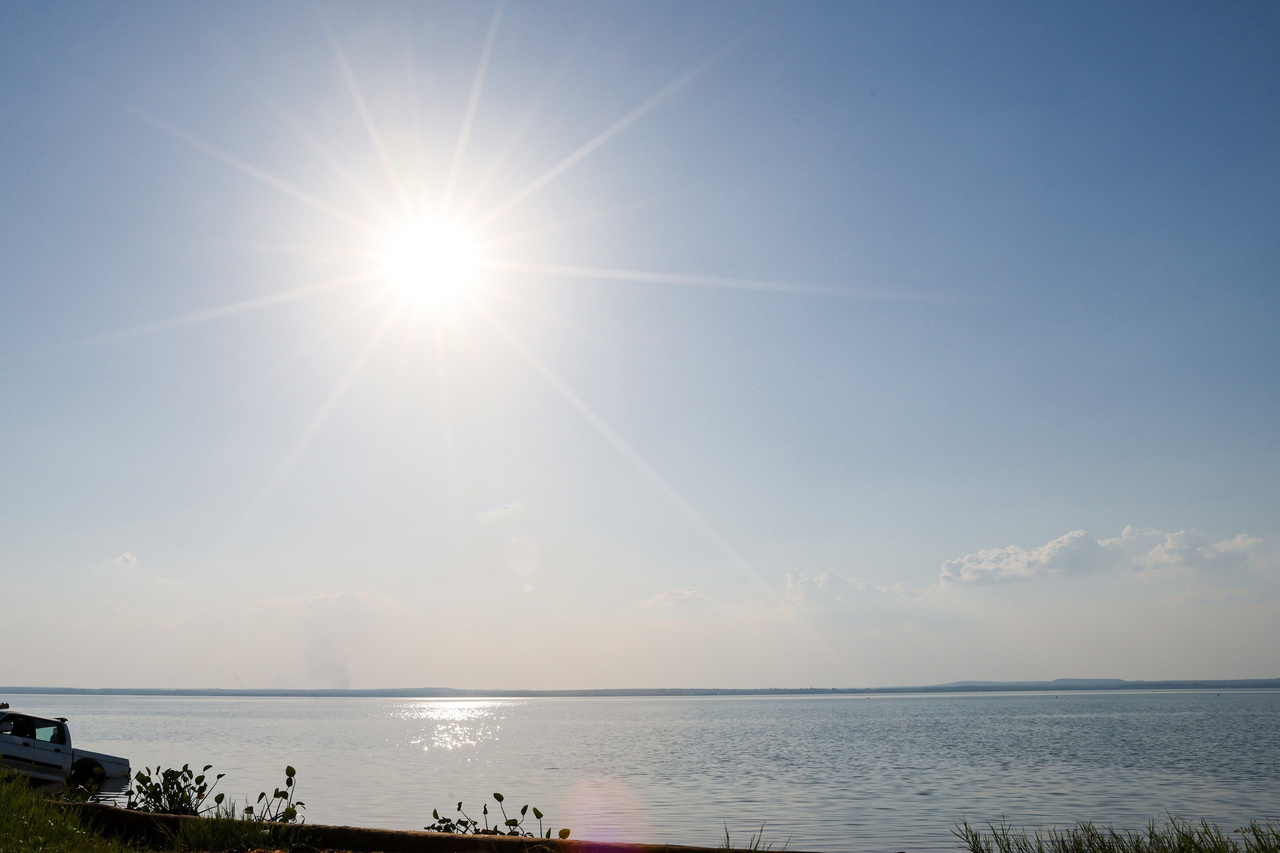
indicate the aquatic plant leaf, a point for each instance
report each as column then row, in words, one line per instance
column 564, row 833
column 498, row 797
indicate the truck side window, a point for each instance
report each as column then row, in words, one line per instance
column 50, row 733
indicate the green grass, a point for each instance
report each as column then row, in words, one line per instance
column 29, row 823
column 224, row 830
column 1173, row 836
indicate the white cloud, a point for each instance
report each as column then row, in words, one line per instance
column 125, row 559
column 1076, row 553
column 830, row 586
column 832, row 594
column 1153, row 553
column 1188, row 550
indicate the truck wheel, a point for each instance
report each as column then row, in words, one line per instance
column 87, row 774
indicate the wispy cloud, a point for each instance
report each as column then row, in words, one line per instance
column 676, row 597
column 348, row 598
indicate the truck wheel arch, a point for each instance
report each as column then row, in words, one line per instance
column 87, row 771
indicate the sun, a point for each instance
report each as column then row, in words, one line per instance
column 431, row 261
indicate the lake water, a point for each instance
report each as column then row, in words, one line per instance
column 845, row 773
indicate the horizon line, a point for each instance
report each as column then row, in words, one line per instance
column 1055, row 685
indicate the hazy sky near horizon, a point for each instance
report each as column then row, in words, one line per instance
column 820, row 344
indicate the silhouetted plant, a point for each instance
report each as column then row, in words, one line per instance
column 509, row 825
column 173, row 791
column 280, row 806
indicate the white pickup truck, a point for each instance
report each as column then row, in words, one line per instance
column 41, row 749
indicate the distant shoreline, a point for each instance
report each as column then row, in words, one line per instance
column 1056, row 686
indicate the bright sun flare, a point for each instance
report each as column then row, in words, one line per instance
column 431, row 261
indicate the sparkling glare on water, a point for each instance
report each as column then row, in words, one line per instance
column 867, row 773
column 458, row 723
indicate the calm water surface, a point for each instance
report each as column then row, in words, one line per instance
column 831, row 773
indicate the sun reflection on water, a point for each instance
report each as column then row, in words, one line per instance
column 458, row 723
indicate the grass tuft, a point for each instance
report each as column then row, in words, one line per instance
column 1173, row 836
column 755, row 842
column 29, row 823
column 225, row 830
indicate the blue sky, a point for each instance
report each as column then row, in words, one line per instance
column 822, row 344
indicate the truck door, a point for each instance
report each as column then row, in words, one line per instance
column 51, row 750
column 15, row 748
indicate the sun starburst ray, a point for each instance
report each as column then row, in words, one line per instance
column 513, row 140
column 401, row 372
column 355, row 185
column 253, row 171
column 643, row 277
column 226, row 310
column 311, row 251
column 295, row 452
column 446, row 428
column 608, row 133
column 473, row 104
column 591, row 217
column 530, row 308
column 362, row 107
column 631, row 456
column 417, row 126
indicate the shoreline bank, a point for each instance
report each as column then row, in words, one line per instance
column 134, row 827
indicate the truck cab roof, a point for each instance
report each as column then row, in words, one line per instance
column 36, row 728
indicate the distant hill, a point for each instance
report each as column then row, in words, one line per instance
column 1059, row 685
